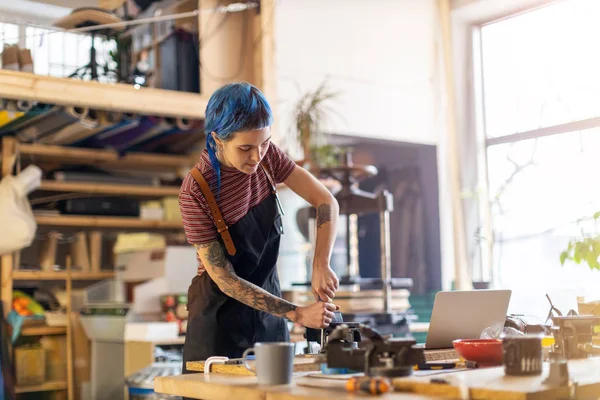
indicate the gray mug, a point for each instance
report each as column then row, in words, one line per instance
column 274, row 362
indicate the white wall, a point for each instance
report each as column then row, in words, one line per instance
column 378, row 53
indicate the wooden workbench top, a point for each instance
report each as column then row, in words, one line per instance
column 228, row 387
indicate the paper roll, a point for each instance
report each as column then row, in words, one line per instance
column 24, row 105
column 185, row 124
column 79, row 252
column 47, row 257
column 95, row 238
column 113, row 117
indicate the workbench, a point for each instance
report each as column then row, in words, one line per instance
column 229, row 387
column 483, row 383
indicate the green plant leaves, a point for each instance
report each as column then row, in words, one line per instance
column 585, row 249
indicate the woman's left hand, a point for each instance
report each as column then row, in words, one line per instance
column 324, row 282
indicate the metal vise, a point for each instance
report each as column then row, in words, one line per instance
column 573, row 336
column 321, row 335
column 376, row 356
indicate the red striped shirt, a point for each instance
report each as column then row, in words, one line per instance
column 239, row 193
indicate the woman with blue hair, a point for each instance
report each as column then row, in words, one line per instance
column 232, row 215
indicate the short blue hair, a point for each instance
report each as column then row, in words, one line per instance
column 232, row 108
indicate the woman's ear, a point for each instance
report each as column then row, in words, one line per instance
column 216, row 139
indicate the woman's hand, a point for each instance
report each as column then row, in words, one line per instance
column 324, row 282
column 318, row 315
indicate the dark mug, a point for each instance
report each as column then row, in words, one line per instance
column 274, row 362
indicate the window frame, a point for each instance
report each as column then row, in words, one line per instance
column 467, row 19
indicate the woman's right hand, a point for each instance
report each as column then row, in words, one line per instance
column 318, row 315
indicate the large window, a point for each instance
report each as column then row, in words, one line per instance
column 541, row 103
column 57, row 53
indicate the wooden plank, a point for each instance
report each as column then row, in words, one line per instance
column 462, row 280
column 301, row 364
column 492, row 383
column 265, row 71
column 92, row 94
column 81, row 355
column 110, row 189
column 106, row 222
column 72, row 155
column 60, row 275
column 42, row 330
column 9, row 149
column 227, row 387
column 44, row 387
column 110, row 4
column 69, row 289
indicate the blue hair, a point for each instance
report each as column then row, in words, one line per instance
column 232, row 108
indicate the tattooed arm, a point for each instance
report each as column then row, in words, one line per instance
column 222, row 273
column 324, row 280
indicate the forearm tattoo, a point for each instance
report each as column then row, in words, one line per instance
column 253, row 296
column 240, row 289
column 323, row 214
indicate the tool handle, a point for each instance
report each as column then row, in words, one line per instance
column 370, row 385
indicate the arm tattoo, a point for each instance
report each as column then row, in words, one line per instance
column 216, row 256
column 253, row 296
column 323, row 214
column 240, row 289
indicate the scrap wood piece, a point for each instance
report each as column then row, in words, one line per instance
column 303, row 363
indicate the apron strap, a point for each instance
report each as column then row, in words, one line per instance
column 222, row 228
column 265, row 169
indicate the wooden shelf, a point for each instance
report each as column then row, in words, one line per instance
column 18, row 275
column 106, row 222
column 45, row 387
column 73, row 155
column 104, row 96
column 110, row 189
column 43, row 330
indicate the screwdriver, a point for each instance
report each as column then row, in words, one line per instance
column 370, row 385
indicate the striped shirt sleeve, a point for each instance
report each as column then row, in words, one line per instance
column 281, row 164
column 197, row 222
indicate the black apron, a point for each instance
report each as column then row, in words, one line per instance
column 219, row 325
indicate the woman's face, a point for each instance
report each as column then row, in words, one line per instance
column 244, row 150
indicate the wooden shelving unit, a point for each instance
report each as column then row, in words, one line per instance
column 220, row 54
column 106, row 222
column 112, row 97
column 110, row 189
column 42, row 330
column 45, row 387
column 19, row 275
column 72, row 155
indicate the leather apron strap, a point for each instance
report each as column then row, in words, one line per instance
column 222, row 228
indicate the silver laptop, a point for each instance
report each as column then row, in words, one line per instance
column 464, row 315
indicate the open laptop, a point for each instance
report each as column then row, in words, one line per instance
column 464, row 315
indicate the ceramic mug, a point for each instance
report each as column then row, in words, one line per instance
column 274, row 362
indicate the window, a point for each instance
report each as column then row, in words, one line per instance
column 541, row 108
column 57, row 53
column 61, row 54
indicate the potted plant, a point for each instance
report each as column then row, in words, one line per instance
column 310, row 113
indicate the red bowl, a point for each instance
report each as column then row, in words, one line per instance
column 485, row 352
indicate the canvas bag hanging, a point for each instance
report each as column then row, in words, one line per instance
column 17, row 222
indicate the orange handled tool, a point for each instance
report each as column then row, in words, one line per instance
column 370, row 385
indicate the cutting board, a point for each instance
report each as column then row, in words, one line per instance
column 302, row 363
column 492, row 383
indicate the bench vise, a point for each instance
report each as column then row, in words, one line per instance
column 375, row 356
column 321, row 336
